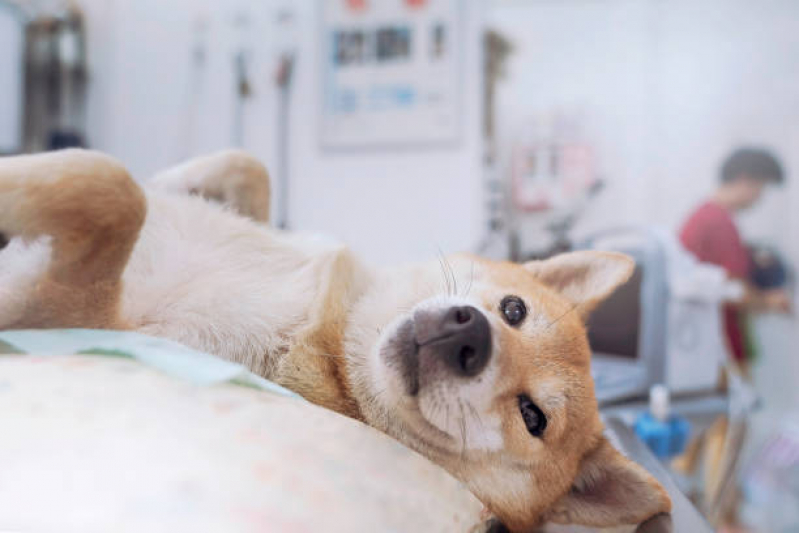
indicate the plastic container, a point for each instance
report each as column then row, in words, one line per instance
column 664, row 433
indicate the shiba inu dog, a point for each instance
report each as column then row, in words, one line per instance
column 481, row 366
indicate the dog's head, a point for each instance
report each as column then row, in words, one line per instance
column 488, row 374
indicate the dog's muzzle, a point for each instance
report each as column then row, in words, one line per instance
column 440, row 343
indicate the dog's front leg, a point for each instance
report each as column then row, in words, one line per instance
column 92, row 210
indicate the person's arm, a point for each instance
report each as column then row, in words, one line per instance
column 716, row 241
column 771, row 300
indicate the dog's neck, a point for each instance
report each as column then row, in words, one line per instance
column 315, row 366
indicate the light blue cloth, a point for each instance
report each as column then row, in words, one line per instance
column 170, row 357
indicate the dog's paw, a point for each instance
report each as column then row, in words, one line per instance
column 492, row 525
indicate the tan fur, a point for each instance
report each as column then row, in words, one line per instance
column 335, row 318
column 575, row 448
column 93, row 211
column 606, row 477
column 230, row 177
column 314, row 367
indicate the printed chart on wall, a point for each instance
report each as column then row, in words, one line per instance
column 392, row 72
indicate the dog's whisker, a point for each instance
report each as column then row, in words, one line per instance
column 452, row 275
column 373, row 398
column 449, row 274
column 447, row 286
column 571, row 309
column 445, row 409
column 476, row 416
column 436, row 409
column 452, row 284
column 443, row 274
column 463, row 430
column 471, row 280
column 329, row 355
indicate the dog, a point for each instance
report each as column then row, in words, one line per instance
column 481, row 366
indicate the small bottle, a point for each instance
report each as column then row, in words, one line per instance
column 664, row 433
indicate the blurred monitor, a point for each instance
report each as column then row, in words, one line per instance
column 627, row 332
column 614, row 326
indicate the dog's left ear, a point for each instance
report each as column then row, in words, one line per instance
column 585, row 278
column 610, row 490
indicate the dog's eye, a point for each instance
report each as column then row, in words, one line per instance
column 534, row 418
column 513, row 309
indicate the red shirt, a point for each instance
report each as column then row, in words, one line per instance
column 711, row 235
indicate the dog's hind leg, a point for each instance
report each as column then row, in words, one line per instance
column 92, row 211
column 230, row 177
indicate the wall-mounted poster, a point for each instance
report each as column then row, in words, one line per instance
column 391, row 72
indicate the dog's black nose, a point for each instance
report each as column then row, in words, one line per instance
column 462, row 340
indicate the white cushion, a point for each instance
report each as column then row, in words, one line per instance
column 91, row 443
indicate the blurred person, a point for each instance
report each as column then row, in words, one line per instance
column 712, row 235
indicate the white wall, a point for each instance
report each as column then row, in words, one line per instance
column 670, row 87
column 729, row 74
column 150, row 104
column 11, row 52
column 392, row 205
column 389, row 204
column 589, row 59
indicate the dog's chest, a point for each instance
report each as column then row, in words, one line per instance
column 218, row 283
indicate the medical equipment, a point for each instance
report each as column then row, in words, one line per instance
column 55, row 78
column 663, row 325
column 554, row 176
column 664, row 432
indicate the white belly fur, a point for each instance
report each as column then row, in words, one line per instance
column 201, row 276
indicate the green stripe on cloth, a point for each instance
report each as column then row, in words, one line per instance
column 7, row 349
column 170, row 357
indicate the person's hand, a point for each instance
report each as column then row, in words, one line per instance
column 777, row 301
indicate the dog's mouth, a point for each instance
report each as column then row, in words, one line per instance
column 401, row 355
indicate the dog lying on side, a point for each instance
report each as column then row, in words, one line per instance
column 481, row 366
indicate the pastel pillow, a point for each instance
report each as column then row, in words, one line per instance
column 95, row 443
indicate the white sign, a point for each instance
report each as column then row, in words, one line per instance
column 391, row 72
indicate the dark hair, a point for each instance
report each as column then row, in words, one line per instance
column 753, row 163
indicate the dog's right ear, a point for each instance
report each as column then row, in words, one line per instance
column 610, row 490
column 585, row 278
